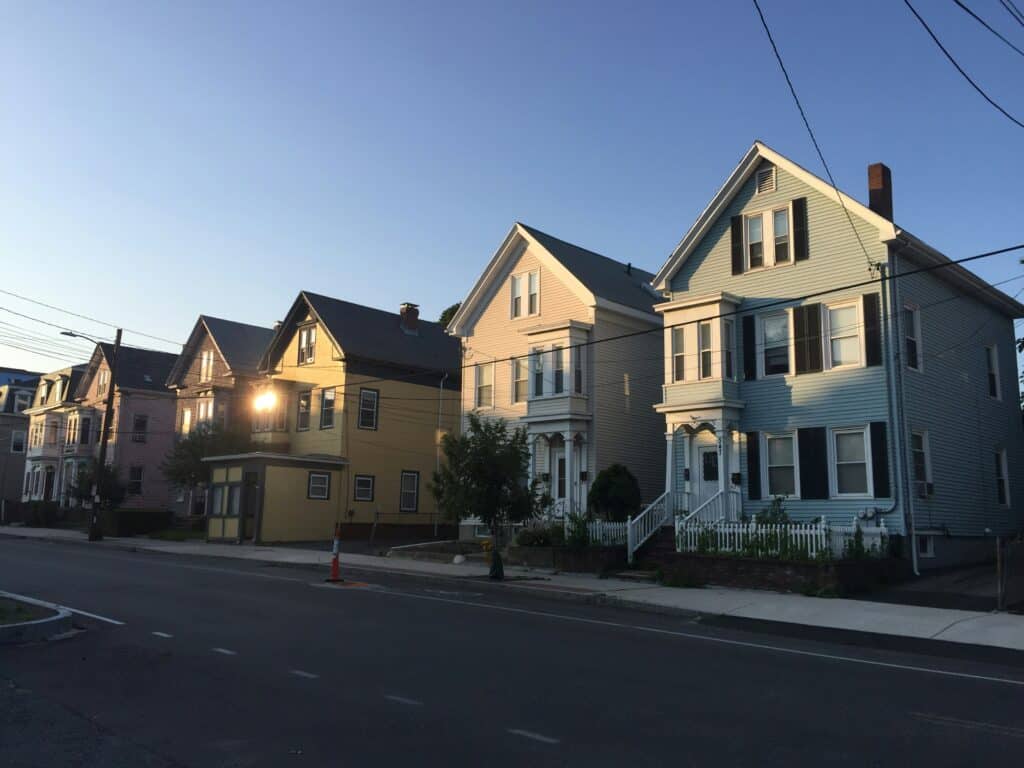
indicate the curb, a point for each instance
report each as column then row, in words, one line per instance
column 40, row 629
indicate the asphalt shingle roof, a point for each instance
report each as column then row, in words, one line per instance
column 241, row 344
column 141, row 368
column 601, row 275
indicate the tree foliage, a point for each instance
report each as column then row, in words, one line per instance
column 449, row 313
column 109, row 486
column 615, row 493
column 184, row 465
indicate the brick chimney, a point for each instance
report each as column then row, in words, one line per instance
column 410, row 322
column 880, row 189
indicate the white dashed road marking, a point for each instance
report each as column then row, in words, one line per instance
column 162, row 634
column 534, row 736
column 225, row 651
column 403, row 700
column 302, row 673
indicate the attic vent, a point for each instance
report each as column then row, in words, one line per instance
column 766, row 180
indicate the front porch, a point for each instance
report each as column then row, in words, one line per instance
column 561, row 455
column 702, row 465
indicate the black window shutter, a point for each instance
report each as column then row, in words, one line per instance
column 813, row 463
column 749, row 349
column 880, row 459
column 800, row 250
column 737, row 245
column 872, row 329
column 753, row 466
column 807, row 329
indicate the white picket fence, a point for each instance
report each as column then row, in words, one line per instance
column 812, row 540
column 607, row 534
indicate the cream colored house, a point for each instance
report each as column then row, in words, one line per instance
column 561, row 340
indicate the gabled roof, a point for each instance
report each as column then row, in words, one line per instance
column 240, row 346
column 373, row 335
column 136, row 368
column 596, row 279
column 919, row 251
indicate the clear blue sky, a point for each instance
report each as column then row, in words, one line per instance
column 161, row 161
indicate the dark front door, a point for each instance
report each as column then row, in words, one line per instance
column 250, row 505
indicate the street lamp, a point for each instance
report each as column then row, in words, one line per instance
column 265, row 401
column 94, row 528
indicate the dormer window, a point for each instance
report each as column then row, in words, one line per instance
column 307, row 344
column 44, row 392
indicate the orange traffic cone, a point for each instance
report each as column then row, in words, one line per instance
column 335, row 571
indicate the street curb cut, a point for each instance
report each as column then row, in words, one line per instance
column 34, row 631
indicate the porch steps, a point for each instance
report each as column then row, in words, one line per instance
column 658, row 549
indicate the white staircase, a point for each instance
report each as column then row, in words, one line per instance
column 640, row 528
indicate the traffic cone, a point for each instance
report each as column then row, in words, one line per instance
column 335, row 570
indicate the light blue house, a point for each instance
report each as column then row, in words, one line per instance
column 890, row 399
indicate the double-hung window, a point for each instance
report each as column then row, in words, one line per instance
column 103, row 381
column 538, row 371
column 520, row 379
column 780, row 458
column 577, row 370
column 921, row 464
column 134, row 487
column 1002, row 479
column 140, row 426
column 704, row 347
column 775, row 343
column 84, row 430
column 18, row 441
column 533, row 293
column 679, row 353
column 302, row 414
column 992, row 370
column 484, row 385
column 363, row 488
column 558, row 366
column 318, row 486
column 780, row 227
column 850, row 455
column 755, row 241
column 843, row 335
column 71, row 433
column 307, row 344
column 186, row 420
column 912, row 336
column 368, row 400
column 729, row 348
column 327, row 408
column 21, row 401
column 206, row 365
column 516, row 284
column 409, row 492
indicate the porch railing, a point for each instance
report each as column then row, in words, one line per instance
column 723, row 506
column 811, row 540
column 640, row 528
column 607, row 534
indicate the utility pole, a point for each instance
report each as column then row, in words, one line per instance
column 95, row 534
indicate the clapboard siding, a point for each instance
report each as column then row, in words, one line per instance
column 625, row 385
column 949, row 399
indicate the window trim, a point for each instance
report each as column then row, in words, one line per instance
column 310, row 347
column 536, row 310
column 24, row 399
column 327, row 485
column 765, row 466
column 516, row 362
column 992, row 370
column 537, row 372
column 24, row 440
column 523, row 279
column 376, row 409
column 477, row 371
column 767, row 216
column 702, row 374
column 927, row 453
column 142, row 475
column 678, row 352
column 308, row 393
column 929, row 550
column 401, row 491
column 323, row 400
column 826, row 335
column 1003, row 477
column 833, row 462
column 760, row 345
column 355, row 487
column 790, row 256
column 747, row 242
column 728, row 347
column 915, row 336
column 557, row 370
column 515, row 282
column 140, row 435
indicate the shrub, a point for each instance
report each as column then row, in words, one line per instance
column 541, row 536
column 615, row 494
column 577, row 535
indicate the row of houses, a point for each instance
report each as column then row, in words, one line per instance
column 796, row 344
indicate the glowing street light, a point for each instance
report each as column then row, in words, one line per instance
column 265, row 401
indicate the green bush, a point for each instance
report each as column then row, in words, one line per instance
column 577, row 535
column 541, row 536
column 615, row 494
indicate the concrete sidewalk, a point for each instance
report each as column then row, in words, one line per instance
column 997, row 630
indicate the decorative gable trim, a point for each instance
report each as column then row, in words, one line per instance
column 489, row 283
column 758, row 153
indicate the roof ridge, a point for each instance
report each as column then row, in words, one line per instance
column 623, row 264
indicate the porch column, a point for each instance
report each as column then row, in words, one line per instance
column 723, row 454
column 669, row 462
column 583, row 467
column 569, row 495
column 533, row 459
column 687, row 472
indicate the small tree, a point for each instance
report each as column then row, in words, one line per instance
column 615, row 494
column 449, row 313
column 184, row 465
column 108, row 485
column 486, row 476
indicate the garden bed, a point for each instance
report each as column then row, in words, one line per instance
column 830, row 577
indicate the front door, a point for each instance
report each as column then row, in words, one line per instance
column 707, row 473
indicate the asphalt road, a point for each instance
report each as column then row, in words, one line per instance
column 221, row 663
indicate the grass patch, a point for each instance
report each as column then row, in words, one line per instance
column 16, row 612
column 178, row 534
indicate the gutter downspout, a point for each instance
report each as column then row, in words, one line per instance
column 437, row 460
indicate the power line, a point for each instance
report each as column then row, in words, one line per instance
column 960, row 69
column 985, row 24
column 810, row 132
column 1013, row 10
column 86, row 317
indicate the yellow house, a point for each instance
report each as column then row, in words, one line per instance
column 348, row 425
